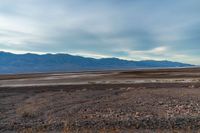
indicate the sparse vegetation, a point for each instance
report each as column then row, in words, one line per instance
column 28, row 115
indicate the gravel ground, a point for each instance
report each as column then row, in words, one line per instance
column 92, row 107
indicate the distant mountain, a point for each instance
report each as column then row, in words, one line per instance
column 30, row 63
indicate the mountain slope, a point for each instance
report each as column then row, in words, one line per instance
column 28, row 63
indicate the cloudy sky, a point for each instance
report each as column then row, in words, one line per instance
column 128, row 29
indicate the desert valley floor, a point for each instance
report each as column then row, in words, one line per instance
column 154, row 100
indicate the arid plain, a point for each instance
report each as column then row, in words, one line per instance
column 154, row 100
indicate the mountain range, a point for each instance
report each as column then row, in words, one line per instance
column 32, row 63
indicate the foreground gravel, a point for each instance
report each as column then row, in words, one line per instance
column 99, row 107
column 109, row 106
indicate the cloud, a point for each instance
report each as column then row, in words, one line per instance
column 159, row 50
column 131, row 29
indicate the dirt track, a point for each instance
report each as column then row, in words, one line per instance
column 115, row 101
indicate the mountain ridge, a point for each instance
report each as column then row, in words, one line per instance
column 11, row 63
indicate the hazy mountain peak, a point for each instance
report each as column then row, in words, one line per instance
column 29, row 63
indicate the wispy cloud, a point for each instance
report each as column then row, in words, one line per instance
column 139, row 29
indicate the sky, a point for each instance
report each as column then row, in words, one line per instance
column 126, row 29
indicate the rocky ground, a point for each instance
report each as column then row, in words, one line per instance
column 172, row 104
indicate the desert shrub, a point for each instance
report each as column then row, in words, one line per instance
column 28, row 115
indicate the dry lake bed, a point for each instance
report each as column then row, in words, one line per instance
column 154, row 100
